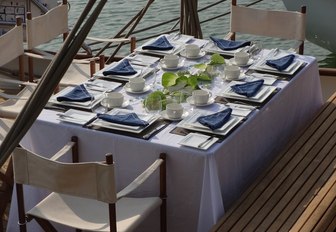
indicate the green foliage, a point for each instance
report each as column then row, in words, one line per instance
column 185, row 82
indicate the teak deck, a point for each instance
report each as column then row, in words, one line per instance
column 297, row 192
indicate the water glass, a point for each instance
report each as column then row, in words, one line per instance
column 153, row 104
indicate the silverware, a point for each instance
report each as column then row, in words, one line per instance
column 206, row 142
column 149, row 134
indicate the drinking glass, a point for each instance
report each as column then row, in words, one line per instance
column 153, row 104
column 255, row 50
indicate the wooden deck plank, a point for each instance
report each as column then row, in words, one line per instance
column 286, row 181
column 294, row 183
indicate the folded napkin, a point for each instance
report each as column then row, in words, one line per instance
column 281, row 63
column 130, row 119
column 124, row 68
column 217, row 120
column 229, row 44
column 248, row 89
column 161, row 43
column 77, row 94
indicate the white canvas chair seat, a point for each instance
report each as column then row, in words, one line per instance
column 92, row 215
column 14, row 104
column 287, row 25
column 83, row 194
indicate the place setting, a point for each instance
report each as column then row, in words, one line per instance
column 124, row 70
column 163, row 45
column 124, row 120
column 253, row 91
column 78, row 97
column 219, row 123
column 226, row 47
column 279, row 62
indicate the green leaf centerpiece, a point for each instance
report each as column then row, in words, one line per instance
column 181, row 84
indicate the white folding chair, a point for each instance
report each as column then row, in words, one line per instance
column 286, row 25
column 84, row 195
column 46, row 27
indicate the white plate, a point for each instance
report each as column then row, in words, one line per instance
column 133, row 129
column 190, row 122
column 190, row 100
column 195, row 139
column 83, row 105
column 125, row 104
column 249, row 62
column 178, row 46
column 275, row 54
column 102, row 85
column 212, row 48
column 76, row 116
column 142, row 71
column 200, row 55
column 129, row 90
column 165, row 116
column 262, row 94
column 180, row 65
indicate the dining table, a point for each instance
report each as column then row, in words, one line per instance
column 202, row 182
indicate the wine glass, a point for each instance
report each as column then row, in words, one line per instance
column 153, row 104
column 255, row 50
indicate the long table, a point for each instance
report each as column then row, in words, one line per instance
column 200, row 184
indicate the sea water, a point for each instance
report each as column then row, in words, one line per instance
column 117, row 13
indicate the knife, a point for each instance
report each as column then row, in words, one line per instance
column 151, row 133
column 90, row 121
column 206, row 142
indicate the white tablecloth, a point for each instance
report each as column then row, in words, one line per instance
column 200, row 184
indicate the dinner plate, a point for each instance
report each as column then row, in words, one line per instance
column 180, row 65
column 178, row 46
column 212, row 48
column 200, row 55
column 129, row 90
column 262, row 94
column 199, row 141
column 165, row 116
column 76, row 116
column 249, row 62
column 191, row 101
column 190, row 122
column 83, row 105
column 124, row 105
column 133, row 129
column 142, row 71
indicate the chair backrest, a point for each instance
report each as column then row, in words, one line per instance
column 288, row 25
column 47, row 26
column 93, row 180
column 11, row 46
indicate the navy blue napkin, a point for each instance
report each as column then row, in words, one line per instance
column 217, row 120
column 248, row 89
column 228, row 45
column 124, row 68
column 161, row 43
column 130, row 119
column 281, row 63
column 77, row 94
